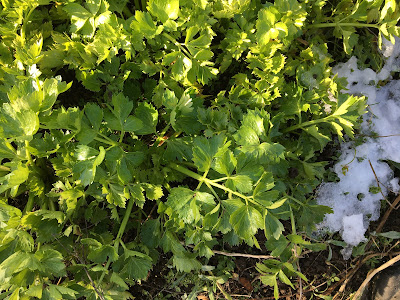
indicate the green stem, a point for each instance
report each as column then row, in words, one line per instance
column 52, row 207
column 127, row 12
column 105, row 141
column 209, row 182
column 137, row 4
column 144, row 5
column 305, row 124
column 355, row 24
column 28, row 155
column 121, row 136
column 165, row 130
column 29, row 204
column 4, row 169
column 23, row 28
column 228, row 190
column 176, row 43
column 9, row 146
column 201, row 181
column 44, row 205
column 161, row 135
column 185, row 171
column 106, row 138
column 212, row 191
column 292, row 221
column 295, row 200
column 220, row 179
column 119, row 235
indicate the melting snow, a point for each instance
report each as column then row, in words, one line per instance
column 353, row 201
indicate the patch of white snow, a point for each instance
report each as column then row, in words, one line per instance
column 355, row 199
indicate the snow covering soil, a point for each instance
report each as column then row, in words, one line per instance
column 353, row 199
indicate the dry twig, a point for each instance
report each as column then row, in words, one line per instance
column 373, row 273
column 234, row 254
column 243, row 255
column 378, row 182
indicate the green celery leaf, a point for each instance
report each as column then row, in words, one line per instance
column 265, row 183
column 178, row 149
column 187, row 203
column 390, row 234
column 350, row 39
column 14, row 179
column 118, row 280
column 186, row 263
column 57, row 292
column 120, row 119
column 8, row 211
column 224, row 162
column 19, row 261
column 35, row 291
column 179, row 197
column 52, row 262
column 137, row 194
column 69, row 198
column 242, row 183
column 136, row 265
column 17, row 125
column 144, row 24
column 24, row 241
column 268, row 279
column 202, row 73
column 282, row 276
column 122, row 106
column 116, row 194
column 255, row 121
column 6, row 150
column 232, row 238
column 246, row 221
column 205, row 149
column 99, row 255
column 312, row 214
column 95, row 115
column 246, row 136
column 265, row 152
column 44, row 146
column 88, row 160
column 153, row 192
column 315, row 132
column 150, row 233
column 266, row 20
column 277, row 246
column 126, row 165
column 164, row 9
column 266, row 199
column 93, row 243
column 273, row 227
column 149, row 117
column 51, row 89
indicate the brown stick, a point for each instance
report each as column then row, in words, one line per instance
column 387, row 213
column 377, row 181
column 373, row 273
column 233, row 254
column 300, row 281
column 243, row 255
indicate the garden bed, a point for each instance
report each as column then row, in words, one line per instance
column 176, row 149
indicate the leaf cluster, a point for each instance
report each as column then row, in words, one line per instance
column 128, row 130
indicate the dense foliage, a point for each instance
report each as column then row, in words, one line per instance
column 174, row 126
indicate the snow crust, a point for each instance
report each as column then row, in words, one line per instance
column 360, row 168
